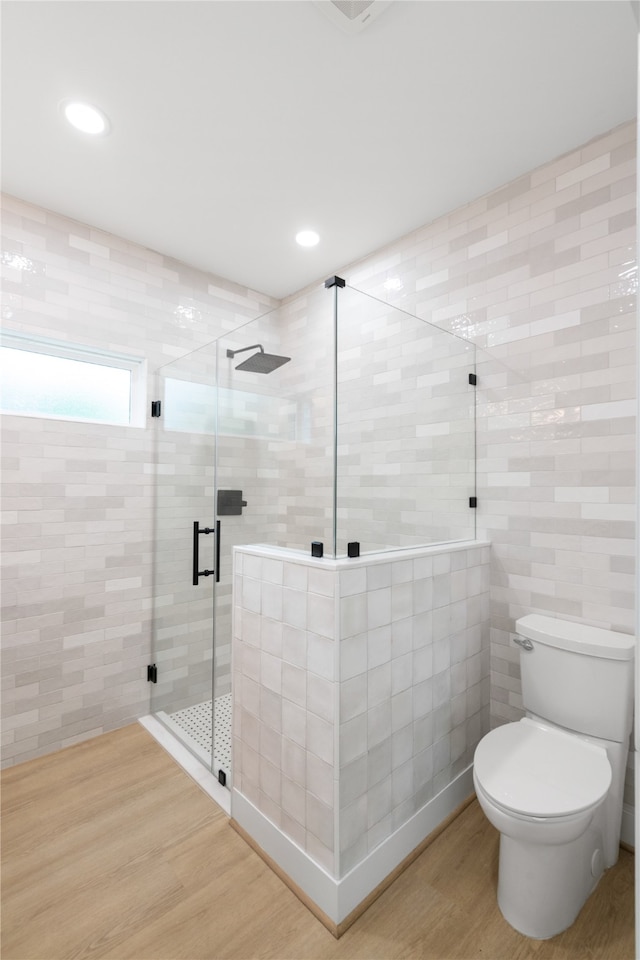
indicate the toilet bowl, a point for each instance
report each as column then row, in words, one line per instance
column 542, row 788
column 537, row 772
column 552, row 783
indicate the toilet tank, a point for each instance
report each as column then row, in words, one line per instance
column 577, row 676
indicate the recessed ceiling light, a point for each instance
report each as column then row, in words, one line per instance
column 85, row 117
column 307, row 238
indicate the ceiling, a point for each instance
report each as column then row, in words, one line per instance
column 235, row 123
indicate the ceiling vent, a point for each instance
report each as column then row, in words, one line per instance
column 352, row 16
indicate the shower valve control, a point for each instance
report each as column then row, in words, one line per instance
column 230, row 503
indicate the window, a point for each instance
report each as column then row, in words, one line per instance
column 47, row 378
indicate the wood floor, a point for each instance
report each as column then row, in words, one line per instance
column 110, row 850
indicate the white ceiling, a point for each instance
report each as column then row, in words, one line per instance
column 238, row 122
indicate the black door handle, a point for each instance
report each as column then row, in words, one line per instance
column 196, row 561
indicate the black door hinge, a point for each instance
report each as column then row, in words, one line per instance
column 473, row 379
column 156, row 408
column 152, row 673
column 473, row 501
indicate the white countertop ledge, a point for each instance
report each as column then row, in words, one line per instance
column 367, row 559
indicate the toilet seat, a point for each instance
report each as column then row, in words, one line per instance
column 537, row 771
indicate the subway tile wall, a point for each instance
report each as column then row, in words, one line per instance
column 542, row 276
column 405, row 426
column 78, row 508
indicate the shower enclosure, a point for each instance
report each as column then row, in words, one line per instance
column 335, row 420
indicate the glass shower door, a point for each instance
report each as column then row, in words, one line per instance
column 184, row 597
column 244, row 449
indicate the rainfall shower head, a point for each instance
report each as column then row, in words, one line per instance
column 260, row 362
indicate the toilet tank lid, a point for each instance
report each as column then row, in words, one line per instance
column 567, row 635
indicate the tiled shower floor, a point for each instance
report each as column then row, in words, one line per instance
column 194, row 729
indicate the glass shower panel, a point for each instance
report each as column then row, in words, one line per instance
column 274, row 462
column 275, row 428
column 183, row 612
column 405, row 429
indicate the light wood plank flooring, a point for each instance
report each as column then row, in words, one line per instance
column 110, row 850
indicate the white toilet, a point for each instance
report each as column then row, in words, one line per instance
column 552, row 783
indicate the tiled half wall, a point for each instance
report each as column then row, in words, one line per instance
column 361, row 688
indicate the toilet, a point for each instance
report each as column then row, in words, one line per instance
column 552, row 783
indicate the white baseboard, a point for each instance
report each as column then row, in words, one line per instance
column 338, row 898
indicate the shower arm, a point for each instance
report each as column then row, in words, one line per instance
column 232, row 353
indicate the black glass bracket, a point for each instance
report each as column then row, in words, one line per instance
column 334, row 282
column 196, row 559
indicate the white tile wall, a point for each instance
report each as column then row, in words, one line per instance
column 383, row 712
column 405, row 423
column 78, row 506
column 540, row 275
